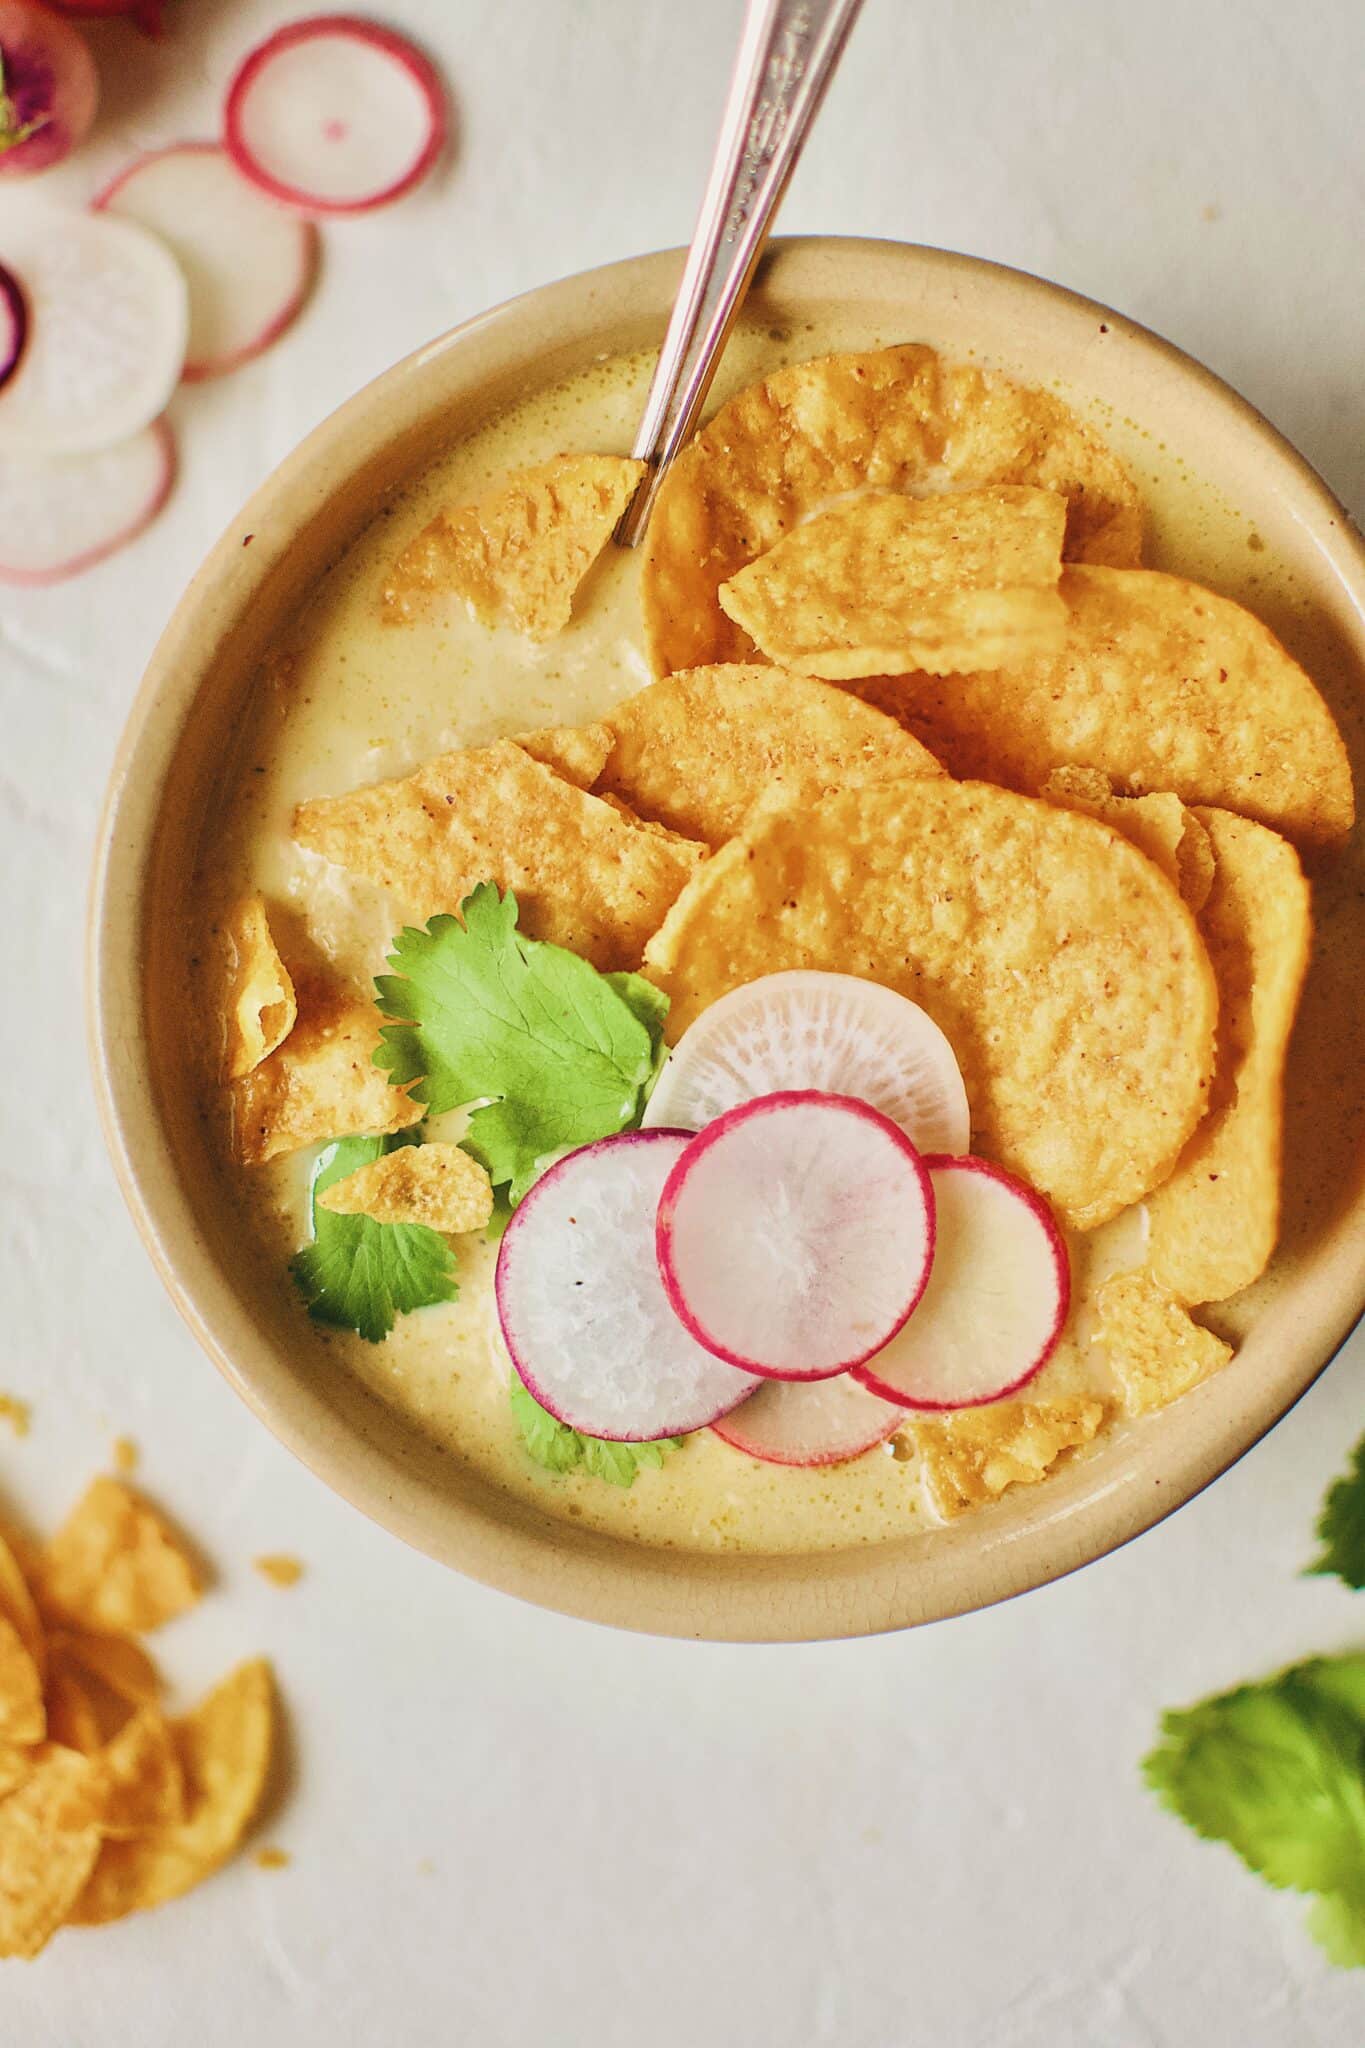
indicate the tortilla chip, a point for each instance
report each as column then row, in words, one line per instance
column 22, row 1718
column 321, row 1083
column 883, row 583
column 18, row 1606
column 973, row 1455
column 45, row 1859
column 696, row 751
column 1162, row 686
column 224, row 1748
column 436, row 1185
column 259, row 1006
column 1156, row 1352
column 576, row 752
column 584, row 876
column 116, row 1566
column 141, row 1781
column 17, row 1761
column 119, row 1664
column 1215, row 1221
column 73, row 1718
column 17, row 1412
column 898, row 419
column 1064, row 969
column 519, row 554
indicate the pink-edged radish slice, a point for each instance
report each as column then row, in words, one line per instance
column 13, row 324
column 49, row 88
column 795, row 1234
column 997, row 1297
column 247, row 261
column 820, row 1422
column 335, row 115
column 60, row 514
column 833, row 1032
column 583, row 1310
column 108, row 322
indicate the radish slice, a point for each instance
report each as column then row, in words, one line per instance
column 997, row 1298
column 832, row 1032
column 335, row 115
column 795, row 1234
column 821, row 1423
column 13, row 325
column 583, row 1309
column 60, row 514
column 108, row 319
column 49, row 88
column 246, row 261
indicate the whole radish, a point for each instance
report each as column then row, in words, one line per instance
column 49, row 88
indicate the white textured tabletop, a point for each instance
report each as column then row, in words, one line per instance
column 510, row 1828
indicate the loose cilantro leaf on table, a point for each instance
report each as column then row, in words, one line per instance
column 561, row 1449
column 1341, row 1526
column 556, row 1053
column 361, row 1274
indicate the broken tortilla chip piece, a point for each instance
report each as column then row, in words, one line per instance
column 883, row 583
column 18, row 1605
column 440, row 1186
column 259, row 1007
column 49, row 1843
column 1214, row 1222
column 972, row 1456
column 585, row 876
column 1063, row 967
column 696, row 750
column 1154, row 1349
column 116, row 1565
column 1161, row 685
column 141, row 1784
column 22, row 1717
column 576, row 752
column 322, row 1081
column 224, row 1748
column 896, row 419
column 520, row 553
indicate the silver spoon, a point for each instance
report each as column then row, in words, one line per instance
column 786, row 59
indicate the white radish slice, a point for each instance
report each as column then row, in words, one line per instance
column 13, row 324
column 60, row 514
column 582, row 1307
column 819, row 1422
column 246, row 260
column 108, row 321
column 805, row 1029
column 335, row 115
column 997, row 1298
column 795, row 1234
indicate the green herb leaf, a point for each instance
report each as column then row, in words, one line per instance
column 556, row 1053
column 561, row 1449
column 360, row 1274
column 1341, row 1526
column 1337, row 1925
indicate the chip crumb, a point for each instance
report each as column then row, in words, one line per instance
column 17, row 1413
column 279, row 1568
column 271, row 1858
column 126, row 1454
column 1156, row 1351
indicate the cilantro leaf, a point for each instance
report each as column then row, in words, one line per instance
column 555, row 1053
column 1337, row 1925
column 561, row 1449
column 1341, row 1525
column 650, row 1005
column 360, row 1274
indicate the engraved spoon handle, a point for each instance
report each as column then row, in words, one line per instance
column 787, row 56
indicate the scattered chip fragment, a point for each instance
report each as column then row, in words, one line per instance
column 260, row 1005
column 116, row 1565
column 321, row 1082
column 440, row 1186
column 972, row 1456
column 1156, row 1352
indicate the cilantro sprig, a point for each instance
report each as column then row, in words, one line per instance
column 1341, row 1526
column 359, row 1274
column 561, row 1449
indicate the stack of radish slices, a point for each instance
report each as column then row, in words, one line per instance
column 796, row 1251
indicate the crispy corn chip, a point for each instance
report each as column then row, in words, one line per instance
column 320, row 1083
column 46, row 1854
column 1215, row 1221
column 116, row 1566
column 973, row 1455
column 73, row 1717
column 17, row 1760
column 1159, row 824
column 578, row 753
column 22, row 1718
column 695, row 751
column 141, row 1779
column 1157, row 1353
column 883, row 583
column 438, row 1185
column 1065, row 970
column 520, row 553
column 584, row 876
column 260, row 1007
column 1162, row 686
column 224, row 1748
column 17, row 1604
column 120, row 1665
column 899, row 419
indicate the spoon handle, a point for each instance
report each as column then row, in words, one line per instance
column 787, row 56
